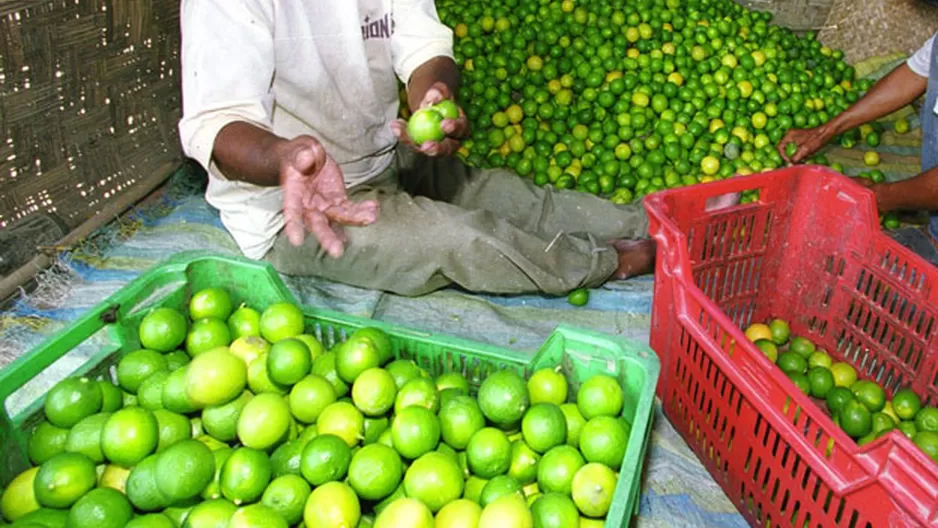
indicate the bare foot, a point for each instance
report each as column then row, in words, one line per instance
column 636, row 257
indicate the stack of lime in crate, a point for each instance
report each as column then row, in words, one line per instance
column 233, row 417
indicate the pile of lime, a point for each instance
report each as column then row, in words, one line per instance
column 858, row 406
column 230, row 417
column 621, row 99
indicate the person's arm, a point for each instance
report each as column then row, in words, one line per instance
column 915, row 194
column 436, row 70
column 900, row 87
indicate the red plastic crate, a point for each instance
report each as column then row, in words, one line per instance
column 809, row 251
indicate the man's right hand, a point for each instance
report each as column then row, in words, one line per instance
column 315, row 198
column 808, row 141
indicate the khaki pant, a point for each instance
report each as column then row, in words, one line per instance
column 442, row 223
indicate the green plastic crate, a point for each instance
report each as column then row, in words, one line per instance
column 110, row 330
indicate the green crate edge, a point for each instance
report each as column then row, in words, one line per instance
column 34, row 362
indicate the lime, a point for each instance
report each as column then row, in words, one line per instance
column 334, row 504
column 215, row 513
column 257, row 516
column 374, row 428
column 575, row 423
column 792, row 363
column 141, row 486
column 547, row 385
column 221, row 421
column 419, row 391
column 837, row 398
column 150, row 392
column 325, row 459
column 176, row 360
column 579, row 297
column 555, row 510
column 927, row 441
column 892, row 414
column 600, row 395
column 174, row 397
column 100, row 508
column 497, row 487
column 72, row 399
column 460, row 418
column 287, row 496
column 163, row 330
column 310, row 396
column 375, row 472
column 780, row 331
column 509, row 510
column 380, row 339
column 406, row 513
column 801, row 381
column 844, row 374
column 882, row 423
column 452, row 380
column 415, row 431
column 264, row 421
column 153, row 520
column 821, row 381
column 259, row 378
column 768, row 348
column 281, row 321
column 19, row 498
column 801, row 346
column 47, row 441
column 111, row 396
column 557, row 467
column 758, row 331
column 138, row 366
column 855, row 419
column 114, row 477
column 177, row 514
column 434, row 479
column 394, row 496
column 356, row 355
column 312, row 344
column 249, row 348
column 43, row 518
column 324, row 366
column 288, row 361
column 523, row 466
column 593, row 487
column 906, row 404
column 901, row 126
column 220, row 456
column 374, row 392
column 544, row 426
column 285, row 460
column 869, row 394
column 473, row 488
column 926, row 419
column 342, row 419
column 184, row 470
column 503, row 398
column 244, row 322
column 488, row 453
column 245, row 475
column 819, row 359
column 85, row 437
column 210, row 302
column 871, row 158
column 207, row 334
column 129, row 435
column 460, row 513
column 603, row 440
column 173, row 428
column 403, row 370
column 60, row 481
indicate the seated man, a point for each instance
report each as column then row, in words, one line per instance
column 290, row 106
column 902, row 86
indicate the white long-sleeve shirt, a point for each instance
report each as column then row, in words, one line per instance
column 326, row 68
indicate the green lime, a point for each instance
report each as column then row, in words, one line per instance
column 403, row 370
column 837, row 398
column 221, row 421
column 882, row 423
column 176, row 360
column 792, row 363
column 415, row 431
column 592, row 489
column 61, row 480
column 544, row 426
column 927, row 441
column 210, row 302
column 769, row 348
column 460, row 513
column 215, row 513
column 407, row 513
column 801, row 346
column 508, row 510
column 141, row 486
column 184, row 470
column 19, row 498
column 603, row 439
column 245, row 475
column 394, row 496
column 355, row 356
column 178, row 514
column 72, row 399
column 547, row 385
column 380, row 339
column 259, row 378
column 375, row 472
column 288, row 361
column 43, row 518
column 207, row 334
column 152, row 520
column 138, row 366
column 150, row 392
column 163, row 330
column 460, row 418
column 374, row 392
column 557, row 467
column 129, row 435
column 374, row 428
column 324, row 366
column 434, row 479
column 285, row 460
column 244, row 322
column 801, row 381
column 220, row 456
column 325, row 459
column 46, row 441
column 257, row 516
column 503, row 398
column 497, row 487
column 869, row 394
column 344, row 420
column 281, row 321
column 85, row 437
column 819, row 359
column 173, row 428
column 555, row 510
column 287, row 496
column 821, row 381
column 855, row 419
column 575, row 423
column 333, row 504
column 420, row 392
column 780, row 331
column 452, row 381
column 907, row 428
column 265, row 420
column 600, row 395
column 112, row 397
column 926, row 419
column 523, row 467
column 174, row 397
column 579, row 297
column 100, row 508
column 906, row 404
column 310, row 396
column 473, row 488
column 489, row 453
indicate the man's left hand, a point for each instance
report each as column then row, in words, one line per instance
column 456, row 129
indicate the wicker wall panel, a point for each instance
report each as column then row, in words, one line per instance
column 872, row 28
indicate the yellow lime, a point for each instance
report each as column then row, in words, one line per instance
column 249, row 348
column 335, row 505
column 405, row 513
column 844, row 374
column 509, row 510
column 264, row 421
column 600, row 395
column 257, row 516
column 547, row 385
column 460, row 513
column 19, row 498
column 593, row 488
